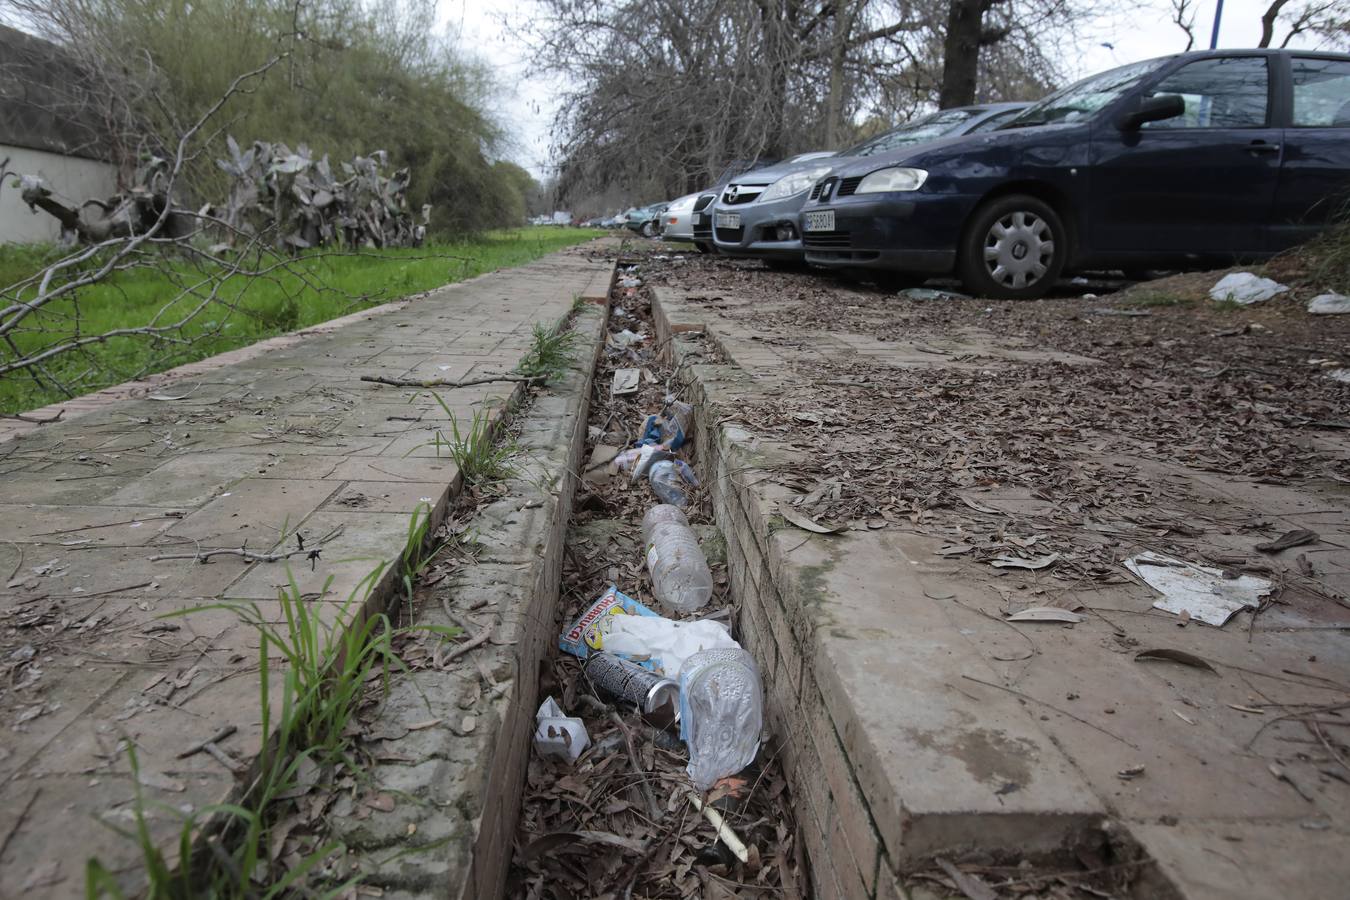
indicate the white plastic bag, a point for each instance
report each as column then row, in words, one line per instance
column 1245, row 288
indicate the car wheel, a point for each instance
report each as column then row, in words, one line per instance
column 649, row 229
column 704, row 247
column 1014, row 249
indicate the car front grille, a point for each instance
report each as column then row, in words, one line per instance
column 744, row 194
column 828, row 240
column 730, row 235
column 849, row 186
column 815, row 190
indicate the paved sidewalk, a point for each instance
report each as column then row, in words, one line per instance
column 247, row 454
column 940, row 726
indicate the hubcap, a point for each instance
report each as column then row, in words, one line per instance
column 1018, row 249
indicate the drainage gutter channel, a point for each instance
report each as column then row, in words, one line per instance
column 451, row 744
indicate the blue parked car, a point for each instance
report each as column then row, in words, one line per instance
column 1186, row 161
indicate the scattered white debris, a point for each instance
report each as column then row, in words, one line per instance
column 1332, row 304
column 1205, row 593
column 932, row 294
column 1342, row 375
column 557, row 734
column 1245, row 288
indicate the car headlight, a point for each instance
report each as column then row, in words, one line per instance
column 898, row 179
column 796, row 183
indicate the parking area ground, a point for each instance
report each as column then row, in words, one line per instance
column 978, row 460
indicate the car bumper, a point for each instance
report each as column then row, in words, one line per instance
column 758, row 235
column 678, row 227
column 903, row 232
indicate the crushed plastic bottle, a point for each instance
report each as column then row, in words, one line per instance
column 680, row 576
column 661, row 514
column 668, row 478
column 721, row 713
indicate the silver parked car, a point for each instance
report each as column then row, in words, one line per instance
column 677, row 222
column 756, row 214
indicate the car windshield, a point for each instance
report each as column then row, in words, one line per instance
column 928, row 128
column 1080, row 100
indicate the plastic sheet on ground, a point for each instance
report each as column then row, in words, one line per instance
column 1202, row 591
column 1244, row 288
column 1332, row 304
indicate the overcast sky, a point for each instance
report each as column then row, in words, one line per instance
column 528, row 100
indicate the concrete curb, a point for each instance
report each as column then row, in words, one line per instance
column 858, row 663
column 458, row 783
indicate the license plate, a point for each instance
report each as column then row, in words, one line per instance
column 819, row 221
column 699, row 218
column 727, row 220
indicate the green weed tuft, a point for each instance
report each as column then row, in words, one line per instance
column 474, row 450
column 550, row 354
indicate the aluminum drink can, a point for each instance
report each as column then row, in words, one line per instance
column 628, row 681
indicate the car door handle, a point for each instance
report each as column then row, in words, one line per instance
column 1262, row 147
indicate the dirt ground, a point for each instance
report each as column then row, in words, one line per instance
column 1021, row 452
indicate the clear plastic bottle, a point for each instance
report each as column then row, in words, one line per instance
column 680, row 576
column 669, row 479
column 660, row 514
column 721, row 713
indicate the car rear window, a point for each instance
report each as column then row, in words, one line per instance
column 1321, row 92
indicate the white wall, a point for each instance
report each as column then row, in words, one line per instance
column 72, row 180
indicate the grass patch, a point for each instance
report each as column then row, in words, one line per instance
column 477, row 454
column 550, row 353
column 318, row 289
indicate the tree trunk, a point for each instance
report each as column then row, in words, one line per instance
column 961, row 52
column 834, row 101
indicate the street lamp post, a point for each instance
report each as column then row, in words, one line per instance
column 1214, row 35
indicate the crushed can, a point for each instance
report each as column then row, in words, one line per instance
column 657, row 698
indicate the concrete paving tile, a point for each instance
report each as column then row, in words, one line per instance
column 85, row 570
column 185, row 481
column 70, row 483
column 391, row 497
column 366, row 542
column 79, row 810
column 121, row 525
column 1218, row 860
column 255, row 511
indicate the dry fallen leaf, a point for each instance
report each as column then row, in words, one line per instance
column 1177, row 656
column 1016, row 562
column 1046, row 614
column 806, row 524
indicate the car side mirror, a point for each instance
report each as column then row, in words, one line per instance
column 1153, row 109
